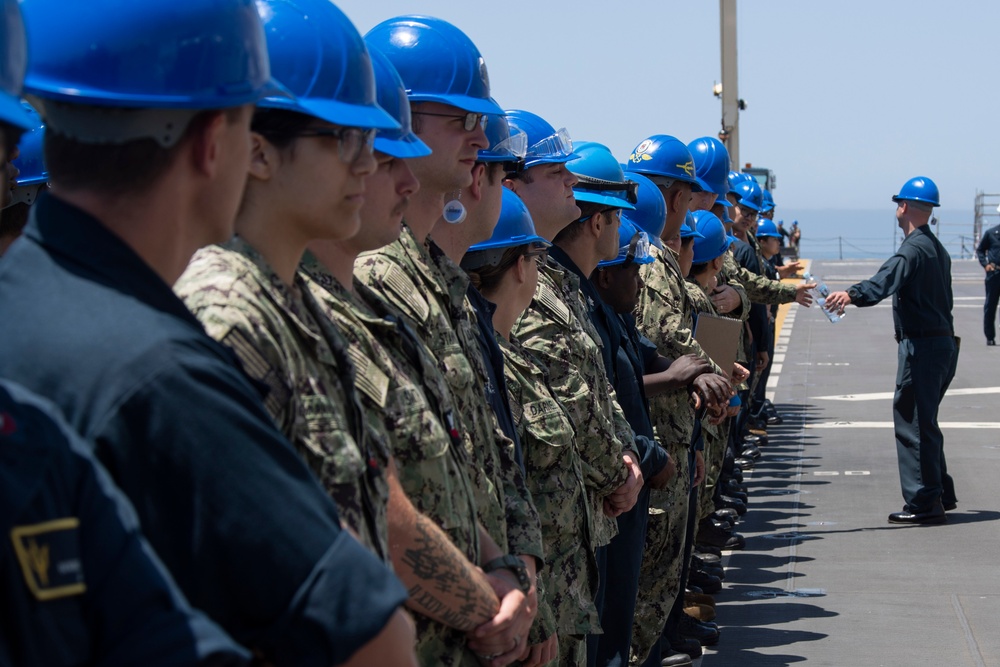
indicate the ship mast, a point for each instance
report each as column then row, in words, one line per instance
column 730, row 133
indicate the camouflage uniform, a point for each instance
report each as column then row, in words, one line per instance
column 714, row 436
column 430, row 290
column 281, row 342
column 663, row 315
column 557, row 330
column 759, row 289
column 419, row 422
column 555, row 477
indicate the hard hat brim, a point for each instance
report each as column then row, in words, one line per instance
column 405, row 147
column 897, row 199
column 332, row 111
column 464, row 102
column 596, row 198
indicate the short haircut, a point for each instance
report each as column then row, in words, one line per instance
column 573, row 229
column 116, row 169
column 698, row 269
column 279, row 126
column 920, row 206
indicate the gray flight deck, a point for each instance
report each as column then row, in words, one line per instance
column 824, row 579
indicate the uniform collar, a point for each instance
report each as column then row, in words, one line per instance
column 77, row 238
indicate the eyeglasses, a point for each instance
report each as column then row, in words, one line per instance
column 470, row 120
column 540, row 253
column 352, row 140
column 747, row 213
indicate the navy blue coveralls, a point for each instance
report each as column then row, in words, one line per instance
column 619, row 561
column 248, row 534
column 81, row 586
column 918, row 277
column 988, row 252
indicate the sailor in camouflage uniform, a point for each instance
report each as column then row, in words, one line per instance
column 415, row 276
column 404, row 395
column 664, row 317
column 504, row 268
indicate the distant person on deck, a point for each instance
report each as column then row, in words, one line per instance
column 919, row 278
column 988, row 253
column 794, row 236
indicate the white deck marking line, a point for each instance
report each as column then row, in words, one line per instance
column 970, row 638
column 882, row 395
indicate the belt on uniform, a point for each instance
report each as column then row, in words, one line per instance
column 929, row 333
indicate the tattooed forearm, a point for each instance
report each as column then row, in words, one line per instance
column 443, row 584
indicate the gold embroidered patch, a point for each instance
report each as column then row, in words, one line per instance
column 369, row 378
column 49, row 554
column 401, row 284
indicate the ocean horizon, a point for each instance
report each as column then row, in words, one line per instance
column 872, row 233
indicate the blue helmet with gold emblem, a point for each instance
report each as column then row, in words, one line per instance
column 666, row 157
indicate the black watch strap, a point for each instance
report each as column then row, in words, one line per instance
column 515, row 565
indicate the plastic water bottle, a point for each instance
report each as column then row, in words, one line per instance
column 820, row 292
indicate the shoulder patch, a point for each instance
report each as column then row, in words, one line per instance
column 548, row 299
column 49, row 554
column 369, row 378
column 402, row 285
column 256, row 366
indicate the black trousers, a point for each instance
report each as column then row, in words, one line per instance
column 926, row 367
column 990, row 306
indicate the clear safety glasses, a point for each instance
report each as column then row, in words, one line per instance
column 557, row 145
column 638, row 248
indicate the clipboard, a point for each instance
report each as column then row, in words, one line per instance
column 719, row 337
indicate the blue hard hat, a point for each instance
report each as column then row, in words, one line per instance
column 391, row 96
column 711, row 164
column 767, row 228
column 601, row 179
column 514, row 228
column 546, row 145
column 153, row 54
column 737, row 177
column 13, row 62
column 319, row 56
column 30, row 163
column 633, row 246
column 749, row 194
column 666, row 156
column 689, row 229
column 507, row 144
column 437, row 62
column 725, row 217
column 919, row 188
column 714, row 241
column 650, row 213
column 768, row 202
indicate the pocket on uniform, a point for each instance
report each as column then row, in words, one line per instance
column 327, row 443
column 457, row 369
column 415, row 431
column 549, row 446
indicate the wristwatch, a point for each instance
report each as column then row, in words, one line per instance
column 515, row 565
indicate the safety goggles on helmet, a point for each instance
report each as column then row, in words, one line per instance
column 351, row 140
column 510, row 151
column 558, row 145
column 609, row 188
column 638, row 248
column 470, row 119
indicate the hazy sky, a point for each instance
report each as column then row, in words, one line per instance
column 846, row 100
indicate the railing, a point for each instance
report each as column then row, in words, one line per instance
column 955, row 237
